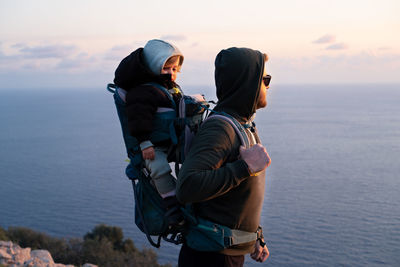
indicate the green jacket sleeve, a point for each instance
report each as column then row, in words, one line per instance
column 212, row 167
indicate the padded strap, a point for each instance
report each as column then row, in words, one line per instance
column 239, row 129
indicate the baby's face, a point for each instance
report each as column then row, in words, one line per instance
column 171, row 68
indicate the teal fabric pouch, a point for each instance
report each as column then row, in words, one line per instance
column 207, row 236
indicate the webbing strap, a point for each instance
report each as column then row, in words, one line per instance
column 239, row 237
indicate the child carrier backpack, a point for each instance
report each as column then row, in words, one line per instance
column 150, row 213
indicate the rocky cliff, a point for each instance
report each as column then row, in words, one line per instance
column 14, row 256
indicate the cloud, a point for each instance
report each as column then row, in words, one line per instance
column 326, row 39
column 198, row 75
column 338, row 46
column 118, row 52
column 8, row 62
column 18, row 45
column 31, row 66
column 36, row 57
column 59, row 58
column 71, row 64
column 46, row 51
column 337, row 68
column 172, row 37
column 79, row 62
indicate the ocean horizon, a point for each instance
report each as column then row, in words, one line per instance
column 332, row 190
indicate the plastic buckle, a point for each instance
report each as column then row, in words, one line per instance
column 259, row 232
column 228, row 241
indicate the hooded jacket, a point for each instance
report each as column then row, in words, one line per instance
column 142, row 100
column 213, row 178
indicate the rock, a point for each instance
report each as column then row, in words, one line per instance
column 22, row 255
column 43, row 255
column 4, row 254
column 5, row 258
column 6, row 244
column 13, row 255
column 35, row 262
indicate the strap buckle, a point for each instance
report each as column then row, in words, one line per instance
column 228, row 241
column 260, row 236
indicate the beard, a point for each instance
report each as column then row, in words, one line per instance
column 262, row 103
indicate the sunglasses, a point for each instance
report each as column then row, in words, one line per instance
column 266, row 80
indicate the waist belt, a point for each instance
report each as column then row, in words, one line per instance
column 205, row 235
column 239, row 237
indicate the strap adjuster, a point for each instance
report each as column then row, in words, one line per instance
column 228, row 241
column 260, row 236
column 260, row 233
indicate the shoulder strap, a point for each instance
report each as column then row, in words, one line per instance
column 239, row 129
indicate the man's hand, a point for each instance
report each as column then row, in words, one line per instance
column 260, row 253
column 148, row 153
column 256, row 157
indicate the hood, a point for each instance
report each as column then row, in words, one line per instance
column 157, row 52
column 132, row 72
column 238, row 77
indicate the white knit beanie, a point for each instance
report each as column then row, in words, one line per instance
column 157, row 52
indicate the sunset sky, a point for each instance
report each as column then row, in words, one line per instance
column 78, row 44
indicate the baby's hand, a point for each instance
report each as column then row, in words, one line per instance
column 148, row 153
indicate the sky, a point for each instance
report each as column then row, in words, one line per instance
column 79, row 43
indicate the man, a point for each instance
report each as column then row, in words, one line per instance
column 222, row 180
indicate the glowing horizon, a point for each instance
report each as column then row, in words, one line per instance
column 47, row 43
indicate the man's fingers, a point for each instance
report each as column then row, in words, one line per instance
column 264, row 256
column 257, row 252
column 254, row 256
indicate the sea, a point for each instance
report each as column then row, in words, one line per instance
column 332, row 195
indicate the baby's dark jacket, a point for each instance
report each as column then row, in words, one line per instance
column 142, row 100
